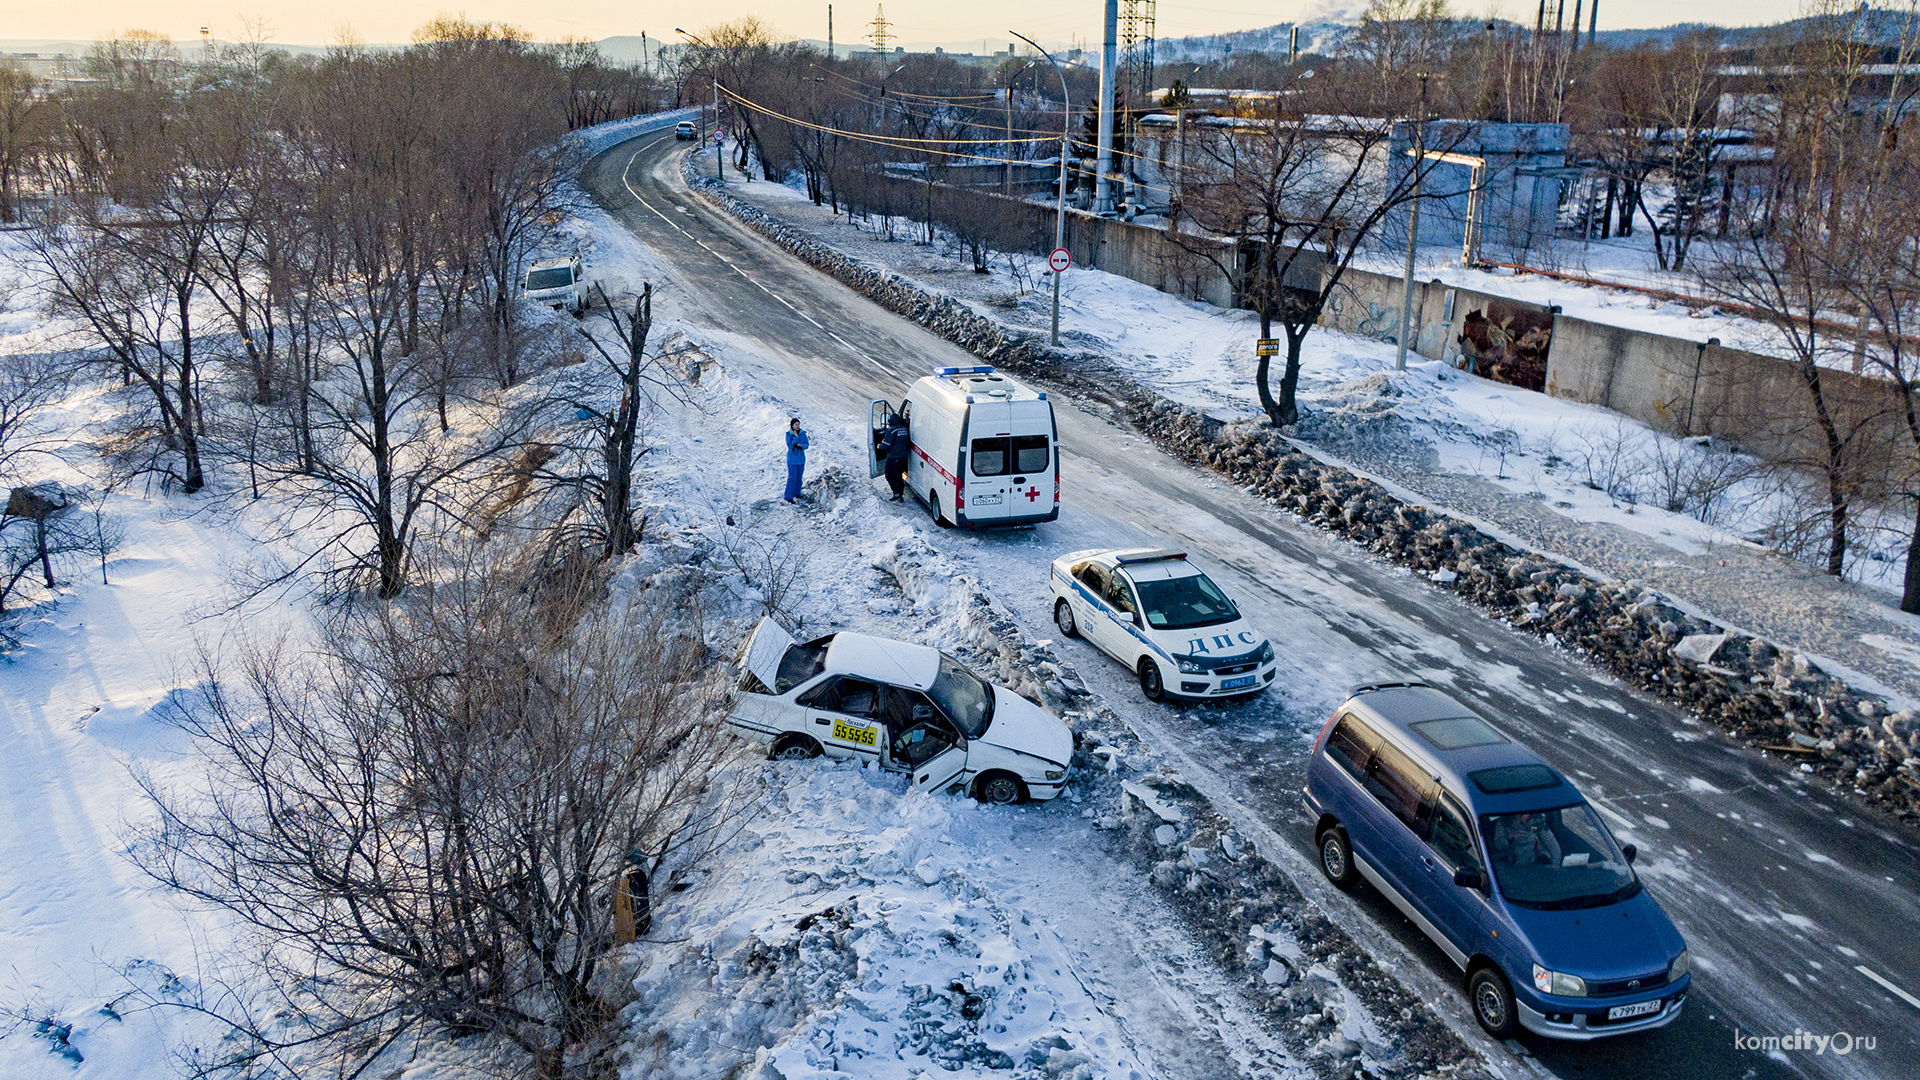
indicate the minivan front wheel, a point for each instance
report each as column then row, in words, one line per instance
column 1492, row 1002
column 1336, row 858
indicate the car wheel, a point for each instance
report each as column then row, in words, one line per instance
column 933, row 507
column 1150, row 683
column 1492, row 1002
column 795, row 748
column 1063, row 618
column 1000, row 789
column 1336, row 858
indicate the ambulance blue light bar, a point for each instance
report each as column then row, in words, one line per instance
column 1158, row 555
column 983, row 369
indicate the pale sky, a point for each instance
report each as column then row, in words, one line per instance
column 913, row 20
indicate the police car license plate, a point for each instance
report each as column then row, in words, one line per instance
column 863, row 736
column 1638, row 1008
column 987, row 500
column 1235, row 684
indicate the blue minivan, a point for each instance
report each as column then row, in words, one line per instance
column 1499, row 860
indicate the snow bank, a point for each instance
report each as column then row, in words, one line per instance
column 861, row 930
column 600, row 137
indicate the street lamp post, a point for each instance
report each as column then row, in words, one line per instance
column 713, row 77
column 1060, row 206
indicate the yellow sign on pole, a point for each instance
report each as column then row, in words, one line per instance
column 1267, row 347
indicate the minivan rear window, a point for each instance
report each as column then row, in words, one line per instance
column 1508, row 779
column 1457, row 732
column 1351, row 745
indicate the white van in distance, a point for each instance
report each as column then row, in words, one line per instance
column 985, row 448
column 558, row 283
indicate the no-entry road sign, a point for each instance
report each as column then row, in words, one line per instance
column 1059, row 260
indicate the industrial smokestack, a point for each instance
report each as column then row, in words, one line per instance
column 1109, row 74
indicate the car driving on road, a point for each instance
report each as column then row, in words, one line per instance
column 1498, row 859
column 685, row 130
column 908, row 708
column 1169, row 623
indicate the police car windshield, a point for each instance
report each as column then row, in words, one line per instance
column 1556, row 860
column 966, row 700
column 1184, row 603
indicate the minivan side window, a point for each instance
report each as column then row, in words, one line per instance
column 1400, row 785
column 1029, row 453
column 1351, row 746
column 990, row 456
column 1452, row 834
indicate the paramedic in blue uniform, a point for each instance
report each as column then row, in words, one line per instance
column 796, row 458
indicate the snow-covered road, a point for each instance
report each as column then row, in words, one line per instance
column 1780, row 890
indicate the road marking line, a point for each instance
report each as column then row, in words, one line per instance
column 1892, row 989
column 730, row 264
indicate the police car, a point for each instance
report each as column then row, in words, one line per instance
column 1169, row 623
column 907, row 708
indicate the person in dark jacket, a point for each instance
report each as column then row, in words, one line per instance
column 897, row 444
column 796, row 458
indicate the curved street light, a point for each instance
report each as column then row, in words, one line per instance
column 1060, row 207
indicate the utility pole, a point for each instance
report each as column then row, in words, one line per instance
column 713, row 76
column 1060, row 204
column 1413, row 228
column 829, row 31
column 1109, row 87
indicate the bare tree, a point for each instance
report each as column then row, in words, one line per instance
column 424, row 826
column 1300, row 193
column 25, row 130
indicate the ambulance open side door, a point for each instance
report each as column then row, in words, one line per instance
column 879, row 411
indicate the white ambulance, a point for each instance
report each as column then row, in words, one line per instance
column 985, row 448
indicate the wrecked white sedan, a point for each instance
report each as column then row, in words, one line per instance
column 910, row 708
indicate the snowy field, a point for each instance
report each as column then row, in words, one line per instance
column 851, row 928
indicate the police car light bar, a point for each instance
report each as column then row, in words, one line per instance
column 983, row 369
column 1157, row 555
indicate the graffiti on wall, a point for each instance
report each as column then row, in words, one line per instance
column 1382, row 323
column 1507, row 343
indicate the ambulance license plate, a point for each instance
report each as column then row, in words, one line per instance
column 987, row 500
column 1235, row 684
column 1638, row 1008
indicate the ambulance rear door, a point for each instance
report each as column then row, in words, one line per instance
column 990, row 461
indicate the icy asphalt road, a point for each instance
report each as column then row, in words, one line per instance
column 1787, row 897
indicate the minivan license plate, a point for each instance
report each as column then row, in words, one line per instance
column 1235, row 684
column 987, row 500
column 1638, row 1008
